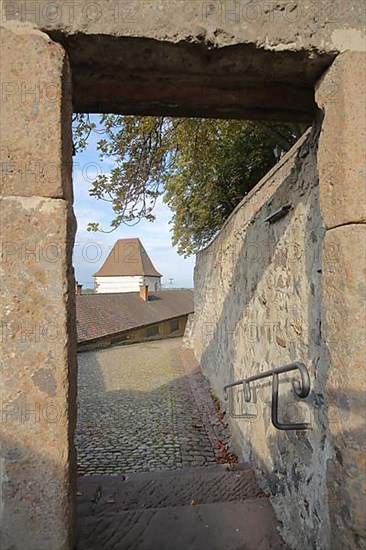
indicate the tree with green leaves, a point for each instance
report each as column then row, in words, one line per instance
column 202, row 167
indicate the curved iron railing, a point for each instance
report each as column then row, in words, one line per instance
column 301, row 389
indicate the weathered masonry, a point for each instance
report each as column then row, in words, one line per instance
column 258, row 60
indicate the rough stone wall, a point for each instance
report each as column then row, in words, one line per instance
column 258, row 306
column 269, row 294
column 38, row 357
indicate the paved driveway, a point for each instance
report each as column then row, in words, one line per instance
column 137, row 412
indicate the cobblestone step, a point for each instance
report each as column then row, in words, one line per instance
column 148, row 435
column 209, row 508
column 167, row 489
column 246, row 525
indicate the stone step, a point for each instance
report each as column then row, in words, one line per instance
column 167, row 489
column 246, row 525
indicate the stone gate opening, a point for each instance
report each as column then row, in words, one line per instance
column 279, row 62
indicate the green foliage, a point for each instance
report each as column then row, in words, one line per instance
column 202, row 167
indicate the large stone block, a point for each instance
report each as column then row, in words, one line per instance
column 344, row 320
column 342, row 144
column 38, row 373
column 36, row 112
column 318, row 25
column 223, row 58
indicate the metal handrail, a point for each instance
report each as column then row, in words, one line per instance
column 301, row 389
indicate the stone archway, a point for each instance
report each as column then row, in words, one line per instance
column 173, row 58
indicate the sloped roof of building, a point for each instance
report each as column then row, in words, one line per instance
column 99, row 315
column 128, row 257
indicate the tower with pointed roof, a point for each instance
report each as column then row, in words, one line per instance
column 126, row 269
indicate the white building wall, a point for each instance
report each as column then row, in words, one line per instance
column 125, row 284
column 151, row 282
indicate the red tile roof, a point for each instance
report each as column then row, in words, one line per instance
column 99, row 315
column 127, row 258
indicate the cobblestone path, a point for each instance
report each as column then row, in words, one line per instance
column 140, row 409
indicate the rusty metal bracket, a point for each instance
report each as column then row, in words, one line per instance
column 278, row 214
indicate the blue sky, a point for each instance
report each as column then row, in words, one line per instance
column 91, row 249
